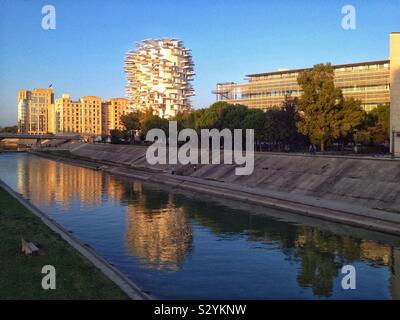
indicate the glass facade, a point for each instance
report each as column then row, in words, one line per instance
column 368, row 82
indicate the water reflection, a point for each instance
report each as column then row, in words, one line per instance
column 160, row 225
column 157, row 231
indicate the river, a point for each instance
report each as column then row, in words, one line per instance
column 178, row 245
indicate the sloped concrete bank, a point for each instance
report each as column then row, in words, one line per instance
column 361, row 192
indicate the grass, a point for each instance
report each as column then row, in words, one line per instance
column 20, row 275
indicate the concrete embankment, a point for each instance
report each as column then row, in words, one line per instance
column 363, row 192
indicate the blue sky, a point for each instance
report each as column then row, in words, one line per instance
column 229, row 39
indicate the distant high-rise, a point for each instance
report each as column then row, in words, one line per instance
column 159, row 72
column 35, row 111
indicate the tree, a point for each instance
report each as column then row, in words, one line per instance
column 381, row 123
column 255, row 119
column 117, row 136
column 325, row 114
column 185, row 120
column 155, row 122
column 131, row 122
column 11, row 129
column 211, row 117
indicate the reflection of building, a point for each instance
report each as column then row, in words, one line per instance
column 36, row 111
column 158, row 73
column 375, row 252
column 60, row 182
column 161, row 238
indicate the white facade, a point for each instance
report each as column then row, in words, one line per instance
column 159, row 72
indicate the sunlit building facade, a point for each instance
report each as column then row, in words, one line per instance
column 112, row 111
column 368, row 82
column 36, row 111
column 159, row 72
column 83, row 116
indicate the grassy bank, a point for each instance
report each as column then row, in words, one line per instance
column 20, row 275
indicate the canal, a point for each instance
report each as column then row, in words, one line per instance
column 177, row 245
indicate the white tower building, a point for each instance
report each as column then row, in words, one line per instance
column 159, row 72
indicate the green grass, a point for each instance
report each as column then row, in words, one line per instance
column 20, row 275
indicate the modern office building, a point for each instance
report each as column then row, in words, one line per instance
column 368, row 82
column 158, row 73
column 112, row 111
column 36, row 111
column 372, row 82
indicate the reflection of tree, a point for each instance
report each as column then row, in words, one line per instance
column 320, row 254
column 318, row 265
column 157, row 231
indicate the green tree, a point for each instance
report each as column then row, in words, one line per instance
column 118, row 136
column 131, row 121
column 211, row 117
column 255, row 119
column 155, row 122
column 11, row 129
column 325, row 113
column 185, row 120
column 381, row 124
column 375, row 127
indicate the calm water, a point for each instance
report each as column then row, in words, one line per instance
column 180, row 246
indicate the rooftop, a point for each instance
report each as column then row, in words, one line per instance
column 334, row 66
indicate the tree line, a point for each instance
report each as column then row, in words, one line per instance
column 321, row 116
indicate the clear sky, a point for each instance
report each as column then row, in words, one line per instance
column 229, row 39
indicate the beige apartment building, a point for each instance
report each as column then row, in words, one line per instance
column 36, row 111
column 112, row 111
column 83, row 116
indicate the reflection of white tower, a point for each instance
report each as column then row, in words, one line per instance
column 159, row 72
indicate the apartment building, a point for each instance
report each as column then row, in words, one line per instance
column 159, row 72
column 112, row 111
column 36, row 111
column 83, row 116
